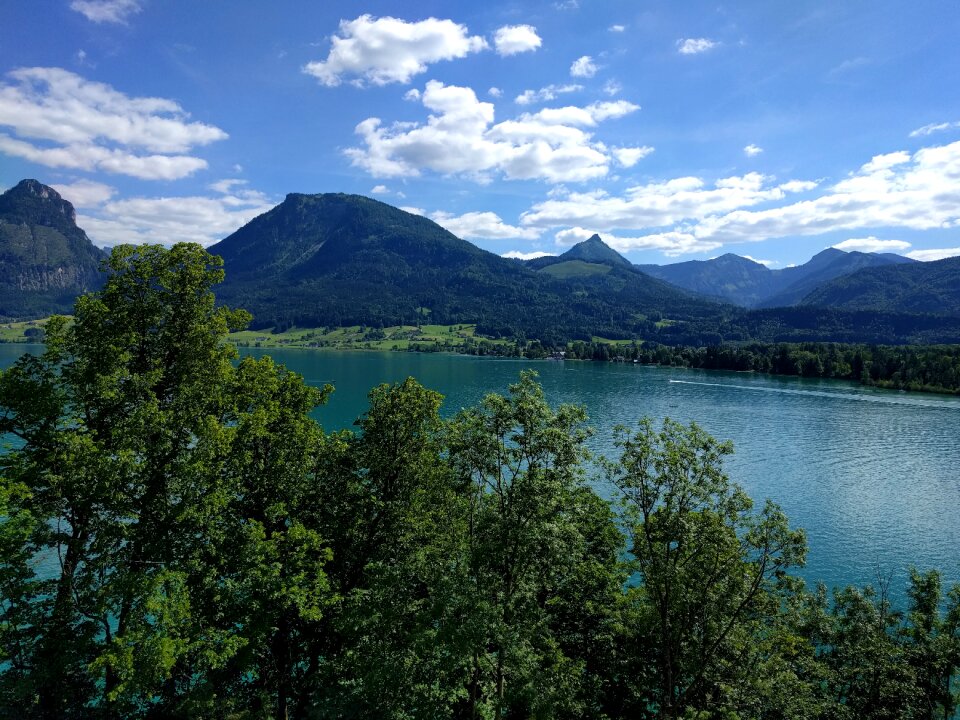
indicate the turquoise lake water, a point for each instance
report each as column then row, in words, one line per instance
column 873, row 476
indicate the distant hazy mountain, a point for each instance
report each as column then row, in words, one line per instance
column 928, row 287
column 729, row 277
column 45, row 259
column 798, row 282
column 744, row 282
column 336, row 259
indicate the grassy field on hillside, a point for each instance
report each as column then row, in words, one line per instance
column 356, row 337
column 15, row 332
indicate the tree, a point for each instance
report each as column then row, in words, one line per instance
column 707, row 567
column 136, row 437
column 534, row 535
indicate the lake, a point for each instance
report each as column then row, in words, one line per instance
column 873, row 476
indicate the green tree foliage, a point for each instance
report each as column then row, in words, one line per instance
column 146, row 461
column 179, row 538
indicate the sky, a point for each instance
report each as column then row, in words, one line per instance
column 677, row 131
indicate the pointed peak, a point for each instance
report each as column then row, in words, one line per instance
column 595, row 250
column 34, row 194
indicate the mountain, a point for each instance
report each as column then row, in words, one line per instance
column 592, row 251
column 747, row 283
column 336, row 259
column 928, row 287
column 45, row 259
column 729, row 277
column 798, row 282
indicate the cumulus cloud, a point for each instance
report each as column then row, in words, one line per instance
column 654, row 205
column 934, row 128
column 495, row 92
column 168, row 220
column 752, row 150
column 872, row 244
column 379, row 190
column 388, row 50
column 583, row 67
column 695, row 46
column 85, row 193
column 90, row 126
column 933, row 254
column 617, row 28
column 460, row 138
column 518, row 255
column 669, row 243
column 513, row 39
column 482, row 225
column 550, row 92
column 106, row 11
column 893, row 190
column 796, row 186
column 628, row 157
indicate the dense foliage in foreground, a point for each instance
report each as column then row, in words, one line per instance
column 180, row 539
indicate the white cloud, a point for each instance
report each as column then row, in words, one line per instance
column 669, row 243
column 513, row 39
column 110, row 11
column 933, row 128
column 612, row 87
column 872, row 244
column 413, row 95
column 892, row 190
column 94, row 127
column 495, row 92
column 628, row 157
column 85, row 193
column 654, row 205
column 795, row 186
column 933, row 254
column 414, row 210
column 752, row 150
column 388, row 50
column 379, row 190
column 695, row 46
column 168, row 220
column 518, row 255
column 768, row 263
column 482, row 225
column 617, row 28
column 460, row 138
column 550, row 92
column 583, row 67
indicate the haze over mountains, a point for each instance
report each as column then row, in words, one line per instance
column 751, row 284
column 335, row 259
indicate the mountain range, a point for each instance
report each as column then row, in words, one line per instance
column 751, row 284
column 336, row 259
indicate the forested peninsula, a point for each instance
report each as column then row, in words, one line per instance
column 180, row 539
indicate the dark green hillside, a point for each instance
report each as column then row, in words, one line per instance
column 336, row 259
column 798, row 282
column 593, row 250
column 729, row 277
column 45, row 259
column 929, row 287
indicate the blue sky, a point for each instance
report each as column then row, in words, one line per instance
column 677, row 131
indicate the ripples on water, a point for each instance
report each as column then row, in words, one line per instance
column 873, row 476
